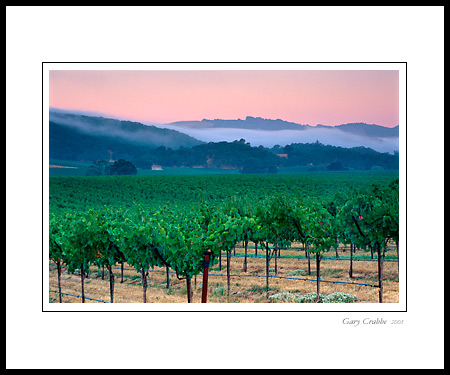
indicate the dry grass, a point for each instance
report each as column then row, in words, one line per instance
column 242, row 289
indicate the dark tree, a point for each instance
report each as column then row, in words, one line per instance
column 122, row 167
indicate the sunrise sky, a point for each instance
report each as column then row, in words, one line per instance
column 328, row 97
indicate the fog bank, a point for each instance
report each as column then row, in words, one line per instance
column 334, row 137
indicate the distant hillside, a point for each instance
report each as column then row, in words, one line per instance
column 253, row 123
column 314, row 154
column 89, row 138
column 258, row 123
column 80, row 137
column 368, row 130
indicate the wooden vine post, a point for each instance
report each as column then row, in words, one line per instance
column 82, row 283
column 267, row 269
column 58, row 266
column 189, row 291
column 228, row 271
column 350, row 272
column 111, row 283
column 380, row 273
column 245, row 256
column 318, row 276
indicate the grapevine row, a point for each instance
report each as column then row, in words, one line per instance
column 178, row 238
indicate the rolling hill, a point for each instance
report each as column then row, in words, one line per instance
column 80, row 137
column 77, row 137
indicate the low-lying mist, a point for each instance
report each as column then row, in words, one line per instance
column 267, row 138
column 333, row 137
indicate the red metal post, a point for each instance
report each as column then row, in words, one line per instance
column 205, row 275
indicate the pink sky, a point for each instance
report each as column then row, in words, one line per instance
column 328, row 97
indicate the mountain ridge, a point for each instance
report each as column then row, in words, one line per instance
column 259, row 123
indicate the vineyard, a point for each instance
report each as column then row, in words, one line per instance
column 274, row 245
column 291, row 280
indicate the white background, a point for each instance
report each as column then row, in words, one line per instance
column 36, row 339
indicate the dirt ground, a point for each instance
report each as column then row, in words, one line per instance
column 245, row 287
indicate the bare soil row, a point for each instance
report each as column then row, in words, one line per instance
column 245, row 287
